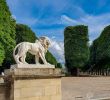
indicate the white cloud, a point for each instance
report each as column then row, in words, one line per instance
column 67, row 20
column 95, row 23
column 57, row 49
column 13, row 16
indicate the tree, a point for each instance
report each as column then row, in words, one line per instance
column 51, row 59
column 100, row 50
column 2, row 54
column 59, row 65
column 76, row 47
column 24, row 33
column 7, row 33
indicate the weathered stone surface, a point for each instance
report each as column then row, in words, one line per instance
column 39, row 49
column 2, row 91
column 37, row 89
column 34, row 83
column 32, row 66
column 34, row 72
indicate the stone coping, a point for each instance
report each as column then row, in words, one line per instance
column 2, row 84
column 23, row 73
column 32, row 66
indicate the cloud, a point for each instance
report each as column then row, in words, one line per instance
column 67, row 20
column 95, row 23
column 57, row 49
column 13, row 16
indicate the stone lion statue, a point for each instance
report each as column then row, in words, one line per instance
column 39, row 49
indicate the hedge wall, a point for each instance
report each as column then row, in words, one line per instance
column 76, row 46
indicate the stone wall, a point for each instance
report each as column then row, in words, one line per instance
column 33, row 84
column 2, row 91
column 37, row 89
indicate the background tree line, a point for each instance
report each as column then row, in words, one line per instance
column 80, row 55
column 11, row 34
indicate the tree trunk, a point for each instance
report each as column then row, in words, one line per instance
column 75, row 71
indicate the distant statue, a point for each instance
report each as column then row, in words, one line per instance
column 39, row 49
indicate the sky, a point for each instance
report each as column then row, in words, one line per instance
column 50, row 17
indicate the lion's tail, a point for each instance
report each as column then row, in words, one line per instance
column 14, row 55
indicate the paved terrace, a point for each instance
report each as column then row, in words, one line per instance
column 86, row 88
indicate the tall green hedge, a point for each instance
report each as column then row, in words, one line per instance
column 100, row 50
column 7, row 33
column 76, row 46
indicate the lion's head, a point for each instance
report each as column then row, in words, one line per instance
column 45, row 41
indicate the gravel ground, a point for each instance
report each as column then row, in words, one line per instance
column 85, row 88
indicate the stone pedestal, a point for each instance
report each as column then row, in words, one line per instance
column 33, row 84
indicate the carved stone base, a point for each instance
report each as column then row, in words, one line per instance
column 34, row 83
column 32, row 66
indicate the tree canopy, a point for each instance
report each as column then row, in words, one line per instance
column 24, row 33
column 7, row 33
column 100, row 50
column 2, row 54
column 76, row 46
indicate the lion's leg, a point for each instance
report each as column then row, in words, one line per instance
column 23, row 59
column 17, row 59
column 36, row 59
column 43, row 58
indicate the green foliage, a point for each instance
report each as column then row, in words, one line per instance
column 24, row 33
column 76, row 46
column 59, row 65
column 100, row 50
column 51, row 59
column 7, row 32
column 8, row 38
column 2, row 54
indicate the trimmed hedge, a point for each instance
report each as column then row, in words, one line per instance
column 100, row 50
column 76, row 46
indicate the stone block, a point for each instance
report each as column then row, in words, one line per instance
column 32, row 92
column 34, row 72
column 30, row 98
column 45, row 98
column 17, row 93
column 50, row 90
column 34, row 83
column 56, row 97
column 31, row 66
